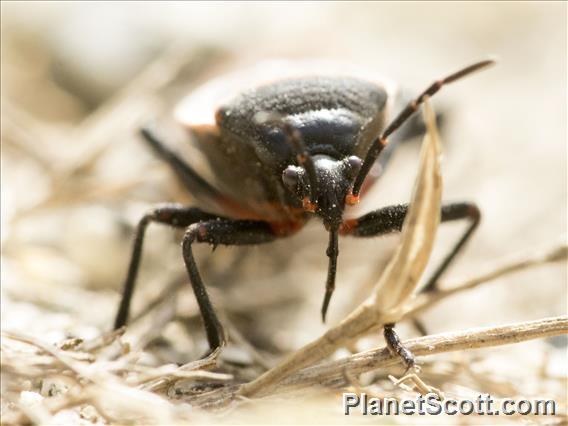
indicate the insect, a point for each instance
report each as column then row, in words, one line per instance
column 283, row 151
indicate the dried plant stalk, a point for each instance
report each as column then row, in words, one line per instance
column 333, row 373
column 520, row 262
column 399, row 279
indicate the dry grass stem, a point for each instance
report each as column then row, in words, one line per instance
column 520, row 262
column 333, row 373
column 400, row 276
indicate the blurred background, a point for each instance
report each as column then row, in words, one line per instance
column 79, row 78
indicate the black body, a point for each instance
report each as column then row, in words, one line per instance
column 282, row 152
column 335, row 117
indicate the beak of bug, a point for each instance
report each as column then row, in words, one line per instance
column 325, row 194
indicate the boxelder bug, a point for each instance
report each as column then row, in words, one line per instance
column 283, row 151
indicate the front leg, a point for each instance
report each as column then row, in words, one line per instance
column 215, row 232
column 397, row 348
column 390, row 219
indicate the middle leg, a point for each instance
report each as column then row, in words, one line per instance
column 215, row 232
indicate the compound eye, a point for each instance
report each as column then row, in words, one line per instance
column 291, row 177
column 355, row 164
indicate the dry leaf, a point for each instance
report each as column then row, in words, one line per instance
column 402, row 274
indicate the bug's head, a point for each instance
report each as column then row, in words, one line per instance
column 323, row 191
column 320, row 180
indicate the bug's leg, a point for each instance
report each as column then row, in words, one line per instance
column 450, row 212
column 379, row 143
column 196, row 185
column 172, row 215
column 390, row 219
column 215, row 232
column 397, row 348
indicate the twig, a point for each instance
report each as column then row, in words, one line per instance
column 203, row 364
column 103, row 340
column 151, row 374
column 521, row 262
column 333, row 373
column 107, row 390
column 67, row 361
